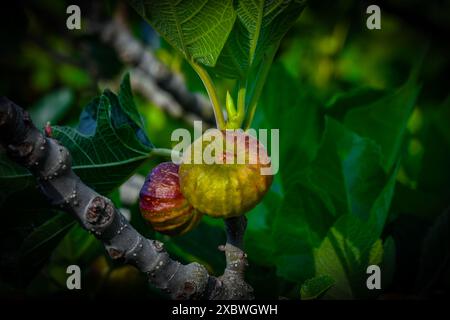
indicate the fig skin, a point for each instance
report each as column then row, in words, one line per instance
column 163, row 205
column 227, row 189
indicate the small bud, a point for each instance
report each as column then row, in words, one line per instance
column 48, row 129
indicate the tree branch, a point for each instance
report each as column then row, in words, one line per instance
column 50, row 163
column 154, row 80
column 153, row 75
column 235, row 257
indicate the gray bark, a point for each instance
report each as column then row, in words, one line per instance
column 50, row 163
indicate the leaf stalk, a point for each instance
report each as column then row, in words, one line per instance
column 212, row 93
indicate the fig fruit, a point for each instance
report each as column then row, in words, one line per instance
column 163, row 205
column 225, row 178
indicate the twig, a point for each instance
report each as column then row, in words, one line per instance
column 50, row 163
column 151, row 70
column 150, row 90
column 160, row 85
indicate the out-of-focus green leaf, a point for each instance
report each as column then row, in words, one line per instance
column 424, row 189
column 13, row 178
column 36, row 247
column 344, row 255
column 300, row 225
column 294, row 221
column 315, row 287
column 347, row 179
column 259, row 243
column 380, row 209
column 73, row 76
column 126, row 100
column 77, row 246
column 259, row 27
column 376, row 253
column 198, row 29
column 342, row 102
column 51, row 107
column 348, row 170
column 296, row 266
column 295, row 113
column 385, row 120
column 323, row 178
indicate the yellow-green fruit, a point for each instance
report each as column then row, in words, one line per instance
column 225, row 173
column 162, row 203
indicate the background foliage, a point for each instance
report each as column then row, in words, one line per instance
column 364, row 151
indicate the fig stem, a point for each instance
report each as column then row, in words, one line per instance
column 163, row 152
column 235, row 229
column 261, row 77
column 212, row 92
column 241, row 101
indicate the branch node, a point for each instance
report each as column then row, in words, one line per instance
column 99, row 212
column 115, row 253
column 189, row 288
column 159, row 246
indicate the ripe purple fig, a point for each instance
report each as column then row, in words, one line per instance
column 163, row 205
